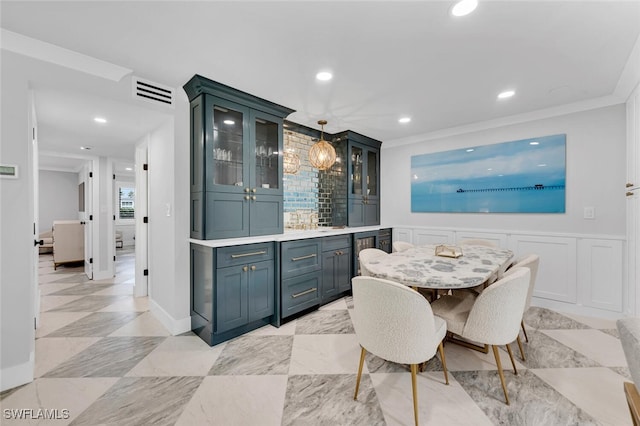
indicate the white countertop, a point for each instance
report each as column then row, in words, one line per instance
column 289, row 235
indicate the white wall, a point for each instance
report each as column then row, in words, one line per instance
column 596, row 144
column 168, row 159
column 16, row 231
column 58, row 197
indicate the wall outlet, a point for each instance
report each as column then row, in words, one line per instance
column 589, row 213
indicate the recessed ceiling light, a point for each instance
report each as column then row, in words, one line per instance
column 229, row 122
column 324, row 76
column 128, row 168
column 506, row 94
column 404, row 120
column 464, row 7
column 86, row 148
column 100, row 120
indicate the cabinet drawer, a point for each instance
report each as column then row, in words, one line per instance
column 239, row 255
column 300, row 257
column 299, row 293
column 338, row 242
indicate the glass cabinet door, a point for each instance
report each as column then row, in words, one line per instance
column 372, row 174
column 267, row 154
column 356, row 170
column 228, row 137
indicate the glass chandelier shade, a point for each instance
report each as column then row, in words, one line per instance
column 322, row 155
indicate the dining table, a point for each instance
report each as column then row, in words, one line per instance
column 420, row 266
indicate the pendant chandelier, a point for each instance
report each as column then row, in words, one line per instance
column 322, row 155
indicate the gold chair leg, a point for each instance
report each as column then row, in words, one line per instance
column 414, row 386
column 504, row 386
column 521, row 348
column 362, row 354
column 524, row 330
column 444, row 363
column 512, row 361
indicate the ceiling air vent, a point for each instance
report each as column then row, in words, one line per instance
column 152, row 92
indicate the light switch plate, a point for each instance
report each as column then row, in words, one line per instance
column 589, row 213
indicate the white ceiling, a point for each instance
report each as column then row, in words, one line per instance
column 389, row 59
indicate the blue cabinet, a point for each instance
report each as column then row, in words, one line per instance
column 301, row 272
column 233, row 290
column 236, row 162
column 336, row 267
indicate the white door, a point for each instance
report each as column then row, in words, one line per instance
column 36, row 213
column 87, row 219
column 141, row 286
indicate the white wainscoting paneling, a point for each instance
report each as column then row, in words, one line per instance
column 556, row 278
column 500, row 240
column 432, row 236
column 402, row 234
column 600, row 268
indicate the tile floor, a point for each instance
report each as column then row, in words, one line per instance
column 102, row 357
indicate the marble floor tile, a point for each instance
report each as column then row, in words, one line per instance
column 435, row 400
column 141, row 401
column 69, row 275
column 216, row 401
column 611, row 332
column 378, row 365
column 327, row 399
column 52, row 351
column 98, row 324
column 623, row 371
column 329, row 321
column 254, row 355
column 545, row 319
column 129, row 304
column 544, row 352
column 48, row 303
column 460, row 358
column 288, row 329
column 50, row 289
column 116, row 289
column 597, row 390
column 592, row 322
column 178, row 356
column 109, row 357
column 49, row 279
column 87, row 303
column 144, row 325
column 325, row 354
column 606, row 350
column 52, row 321
column 336, row 304
column 73, row 395
column 533, row 402
column 84, row 289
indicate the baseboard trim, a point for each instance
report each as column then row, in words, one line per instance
column 17, row 375
column 575, row 309
column 175, row 326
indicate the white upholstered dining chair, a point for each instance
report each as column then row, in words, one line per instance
column 367, row 255
column 402, row 246
column 493, row 318
column 404, row 331
column 531, row 262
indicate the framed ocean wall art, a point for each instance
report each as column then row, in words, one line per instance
column 523, row 176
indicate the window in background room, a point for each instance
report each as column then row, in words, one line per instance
column 126, row 202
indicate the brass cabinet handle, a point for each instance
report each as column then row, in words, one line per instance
column 246, row 197
column 253, row 267
column 309, row 256
column 247, row 190
column 245, row 268
column 253, row 197
column 629, row 185
column 311, row 290
column 629, row 194
column 255, row 253
column 254, row 190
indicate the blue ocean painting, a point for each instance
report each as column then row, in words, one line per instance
column 524, row 176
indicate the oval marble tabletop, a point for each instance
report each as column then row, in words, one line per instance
column 420, row 267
